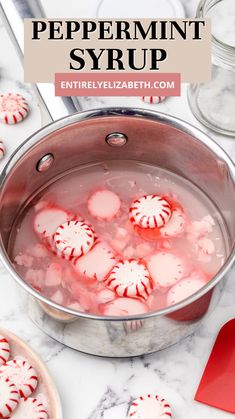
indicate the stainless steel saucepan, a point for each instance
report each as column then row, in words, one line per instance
column 153, row 138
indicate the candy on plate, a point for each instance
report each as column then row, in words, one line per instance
column 9, row 397
column 22, row 374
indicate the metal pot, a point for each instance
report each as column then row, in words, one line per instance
column 84, row 138
column 153, row 138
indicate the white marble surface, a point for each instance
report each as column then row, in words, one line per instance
column 94, row 388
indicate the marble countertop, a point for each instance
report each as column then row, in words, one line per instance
column 90, row 387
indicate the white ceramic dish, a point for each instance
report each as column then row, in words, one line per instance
column 46, row 385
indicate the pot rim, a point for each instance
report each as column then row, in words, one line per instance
column 112, row 112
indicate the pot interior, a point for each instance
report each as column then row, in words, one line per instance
column 152, row 139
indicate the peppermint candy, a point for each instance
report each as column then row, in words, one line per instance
column 166, row 268
column 30, row 408
column 74, row 238
column 22, row 374
column 4, row 350
column 150, row 407
column 13, row 108
column 9, row 397
column 125, row 306
column 186, row 287
column 90, row 264
column 48, row 219
column 176, row 225
column 150, row 211
column 153, row 99
column 130, row 278
column 104, row 204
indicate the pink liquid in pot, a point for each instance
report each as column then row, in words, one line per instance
column 200, row 247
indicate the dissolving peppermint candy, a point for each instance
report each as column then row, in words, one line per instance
column 4, row 350
column 9, row 397
column 74, row 238
column 153, row 99
column 90, row 264
column 150, row 211
column 150, row 406
column 104, row 204
column 130, row 278
column 125, row 306
column 22, row 374
column 186, row 287
column 13, row 108
column 176, row 225
column 30, row 408
column 166, row 268
column 48, row 219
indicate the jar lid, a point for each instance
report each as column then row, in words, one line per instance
column 154, row 9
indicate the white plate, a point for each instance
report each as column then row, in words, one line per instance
column 153, row 9
column 46, row 386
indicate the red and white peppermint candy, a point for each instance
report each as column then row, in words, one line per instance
column 74, row 238
column 150, row 211
column 4, row 350
column 130, row 278
column 153, row 99
column 97, row 263
column 104, row 204
column 150, row 406
column 13, row 108
column 175, row 226
column 9, row 397
column 47, row 220
column 166, row 268
column 2, row 149
column 125, row 307
column 186, row 287
column 30, row 408
column 22, row 374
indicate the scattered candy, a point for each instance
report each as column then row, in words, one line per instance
column 125, row 307
column 13, row 108
column 150, row 211
column 130, row 278
column 74, row 238
column 2, row 149
column 30, row 408
column 4, row 350
column 22, row 374
column 9, row 397
column 150, row 406
column 166, row 268
column 153, row 99
column 104, row 205
column 175, row 226
column 91, row 265
column 186, row 287
column 47, row 220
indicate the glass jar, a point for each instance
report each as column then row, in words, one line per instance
column 213, row 103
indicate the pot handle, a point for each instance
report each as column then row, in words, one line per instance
column 13, row 13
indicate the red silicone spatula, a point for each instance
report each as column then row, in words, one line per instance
column 217, row 386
